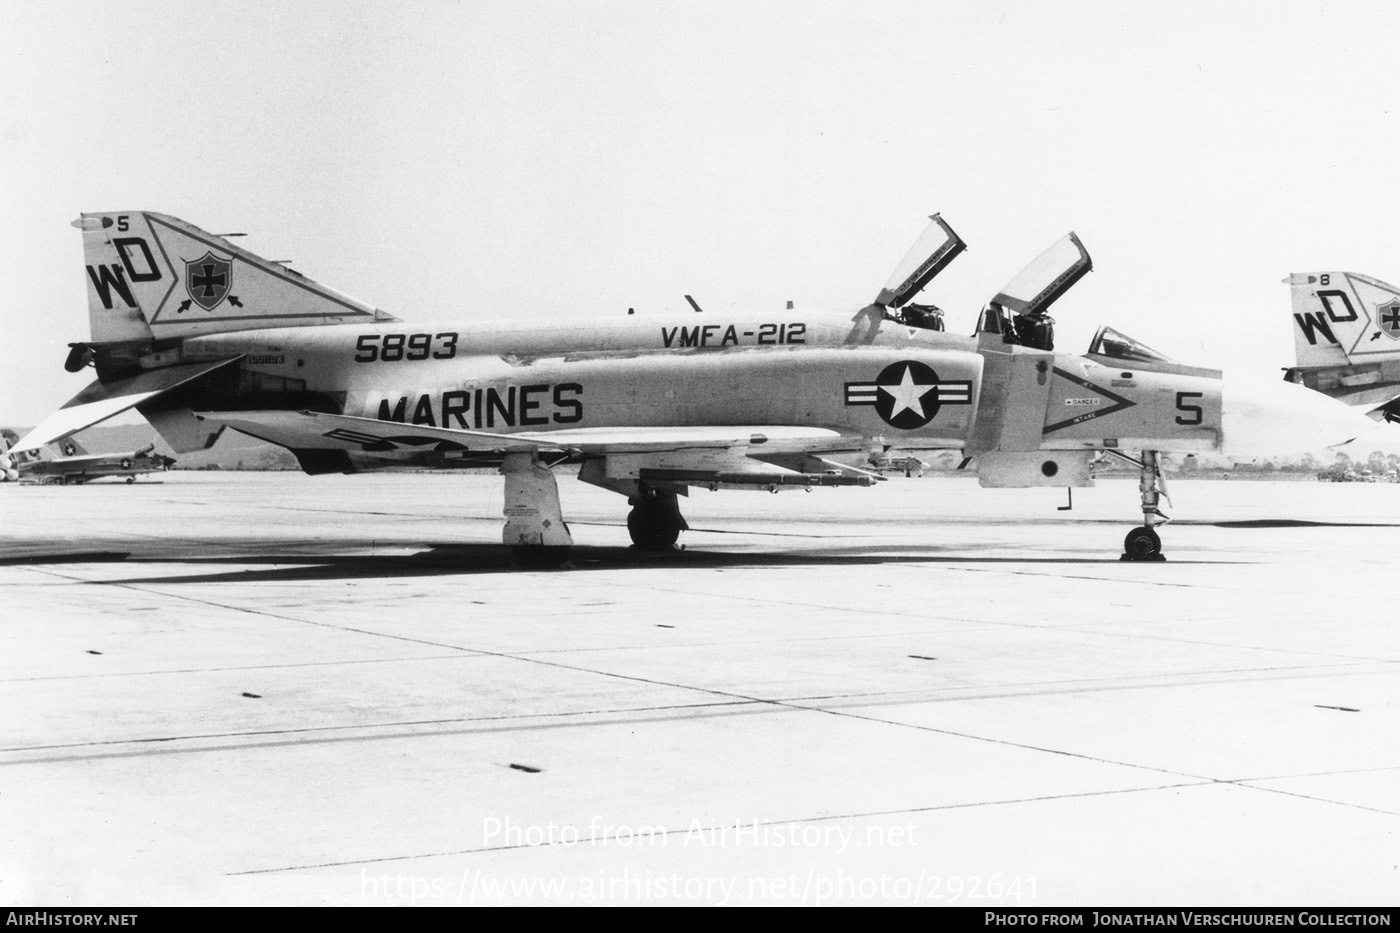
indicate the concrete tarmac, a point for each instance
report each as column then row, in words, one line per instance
column 278, row 689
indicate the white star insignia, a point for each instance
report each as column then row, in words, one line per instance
column 908, row 394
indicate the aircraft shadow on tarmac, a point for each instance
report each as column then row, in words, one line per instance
column 458, row 559
column 318, row 563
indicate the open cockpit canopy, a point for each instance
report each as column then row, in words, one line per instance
column 1036, row 287
column 937, row 246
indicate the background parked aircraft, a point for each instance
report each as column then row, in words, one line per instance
column 66, row 462
column 1346, row 332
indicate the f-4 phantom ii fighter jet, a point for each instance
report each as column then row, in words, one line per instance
column 199, row 335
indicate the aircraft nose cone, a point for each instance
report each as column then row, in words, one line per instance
column 1273, row 418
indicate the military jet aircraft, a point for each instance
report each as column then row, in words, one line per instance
column 1346, row 331
column 73, row 465
column 200, row 335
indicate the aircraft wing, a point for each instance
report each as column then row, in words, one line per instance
column 85, row 460
column 727, row 454
column 100, row 401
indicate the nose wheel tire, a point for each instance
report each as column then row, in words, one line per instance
column 1142, row 544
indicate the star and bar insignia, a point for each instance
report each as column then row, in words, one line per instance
column 908, row 394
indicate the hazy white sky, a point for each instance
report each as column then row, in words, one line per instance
column 480, row 161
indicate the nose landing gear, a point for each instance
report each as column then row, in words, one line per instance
column 1143, row 543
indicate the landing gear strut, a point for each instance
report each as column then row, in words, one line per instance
column 655, row 522
column 1144, row 544
column 535, row 530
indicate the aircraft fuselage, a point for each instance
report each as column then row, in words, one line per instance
column 914, row 388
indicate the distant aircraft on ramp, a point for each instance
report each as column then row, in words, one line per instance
column 73, row 465
column 199, row 335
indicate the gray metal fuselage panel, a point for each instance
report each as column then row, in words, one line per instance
column 624, row 374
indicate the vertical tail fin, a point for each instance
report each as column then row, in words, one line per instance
column 150, row 275
column 1342, row 318
column 69, row 447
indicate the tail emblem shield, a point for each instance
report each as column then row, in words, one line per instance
column 207, row 280
column 1388, row 317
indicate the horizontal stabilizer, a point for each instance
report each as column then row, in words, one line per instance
column 100, row 401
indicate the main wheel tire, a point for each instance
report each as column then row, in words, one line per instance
column 1142, row 542
column 653, row 529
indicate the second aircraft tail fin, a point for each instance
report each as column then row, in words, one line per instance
column 1342, row 318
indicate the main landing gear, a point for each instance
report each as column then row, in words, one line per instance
column 539, row 537
column 655, row 522
column 535, row 530
column 1144, row 544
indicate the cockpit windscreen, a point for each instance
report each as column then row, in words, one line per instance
column 1119, row 346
